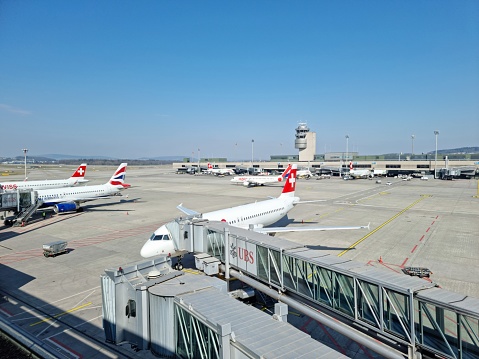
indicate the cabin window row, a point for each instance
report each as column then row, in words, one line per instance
column 256, row 215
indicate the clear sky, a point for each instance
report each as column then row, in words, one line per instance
column 131, row 79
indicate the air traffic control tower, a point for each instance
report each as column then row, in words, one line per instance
column 305, row 142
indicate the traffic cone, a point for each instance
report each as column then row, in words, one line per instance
column 127, row 213
column 380, row 259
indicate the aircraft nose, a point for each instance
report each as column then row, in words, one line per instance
column 147, row 250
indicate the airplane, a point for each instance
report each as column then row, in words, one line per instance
column 77, row 177
column 219, row 171
column 365, row 173
column 304, row 173
column 69, row 199
column 253, row 216
column 251, row 181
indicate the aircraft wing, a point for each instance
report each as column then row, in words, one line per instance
column 187, row 211
column 304, row 229
column 312, row 201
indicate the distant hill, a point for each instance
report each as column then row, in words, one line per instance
column 164, row 158
column 58, row 157
column 460, row 150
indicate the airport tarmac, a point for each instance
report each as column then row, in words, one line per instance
column 57, row 300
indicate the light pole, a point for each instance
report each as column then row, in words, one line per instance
column 412, row 145
column 347, row 147
column 252, row 152
column 25, row 150
column 198, row 160
column 436, row 133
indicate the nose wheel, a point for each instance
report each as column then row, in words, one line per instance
column 178, row 265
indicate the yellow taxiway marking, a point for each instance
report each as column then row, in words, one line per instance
column 60, row 314
column 382, row 225
column 191, row 271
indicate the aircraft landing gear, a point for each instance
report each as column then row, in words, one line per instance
column 178, row 265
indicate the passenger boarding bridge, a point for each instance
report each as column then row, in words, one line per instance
column 22, row 202
column 173, row 313
column 408, row 311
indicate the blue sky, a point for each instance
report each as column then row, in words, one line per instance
column 132, row 79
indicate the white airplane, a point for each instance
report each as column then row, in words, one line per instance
column 251, row 181
column 365, row 173
column 69, row 199
column 219, row 171
column 77, row 177
column 255, row 216
column 304, row 173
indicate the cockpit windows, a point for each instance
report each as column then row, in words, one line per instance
column 159, row 237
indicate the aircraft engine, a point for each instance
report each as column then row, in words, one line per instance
column 246, row 184
column 65, row 207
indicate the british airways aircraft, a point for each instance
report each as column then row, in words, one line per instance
column 255, row 216
column 69, row 199
column 77, row 177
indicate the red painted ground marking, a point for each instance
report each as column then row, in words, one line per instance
column 427, row 230
column 437, row 216
column 32, row 253
column 6, row 312
column 303, row 327
column 365, row 351
column 403, row 263
column 414, row 248
column 331, row 338
column 421, row 238
column 64, row 347
column 390, row 267
column 432, row 222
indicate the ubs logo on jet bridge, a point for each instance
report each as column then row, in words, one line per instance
column 243, row 255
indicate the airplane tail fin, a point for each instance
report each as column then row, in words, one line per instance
column 350, row 165
column 290, row 182
column 210, row 166
column 283, row 175
column 118, row 178
column 79, row 174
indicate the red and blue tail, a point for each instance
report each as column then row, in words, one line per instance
column 290, row 182
column 118, row 179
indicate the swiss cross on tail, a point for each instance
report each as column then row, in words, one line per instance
column 210, row 166
column 118, row 179
column 290, row 182
column 80, row 172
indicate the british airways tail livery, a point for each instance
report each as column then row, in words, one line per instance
column 77, row 177
column 255, row 216
column 69, row 199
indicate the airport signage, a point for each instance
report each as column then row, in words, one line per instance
column 242, row 254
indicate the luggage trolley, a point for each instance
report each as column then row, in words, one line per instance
column 53, row 248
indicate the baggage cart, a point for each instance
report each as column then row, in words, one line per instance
column 53, row 248
column 417, row 271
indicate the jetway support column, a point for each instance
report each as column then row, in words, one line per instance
column 349, row 332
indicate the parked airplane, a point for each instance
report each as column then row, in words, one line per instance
column 77, row 177
column 69, row 199
column 304, row 173
column 251, row 181
column 364, row 173
column 219, row 171
column 255, row 216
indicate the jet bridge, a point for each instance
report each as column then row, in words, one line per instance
column 409, row 312
column 23, row 203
